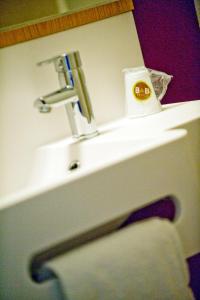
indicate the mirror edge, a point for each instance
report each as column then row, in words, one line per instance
column 64, row 22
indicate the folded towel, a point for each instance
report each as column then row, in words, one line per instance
column 141, row 262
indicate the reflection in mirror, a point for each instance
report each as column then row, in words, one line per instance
column 16, row 13
column 21, row 20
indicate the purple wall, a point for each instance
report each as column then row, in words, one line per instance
column 170, row 40
column 169, row 35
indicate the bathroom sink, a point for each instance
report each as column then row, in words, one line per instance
column 79, row 191
column 68, row 159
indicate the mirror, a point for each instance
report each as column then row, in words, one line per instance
column 17, row 13
column 22, row 20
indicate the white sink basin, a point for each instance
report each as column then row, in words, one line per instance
column 117, row 141
column 68, row 159
column 129, row 165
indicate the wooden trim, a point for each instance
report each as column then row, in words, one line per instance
column 62, row 23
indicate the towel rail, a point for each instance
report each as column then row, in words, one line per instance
column 163, row 208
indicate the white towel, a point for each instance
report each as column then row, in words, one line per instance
column 141, row 262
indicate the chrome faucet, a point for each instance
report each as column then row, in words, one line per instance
column 73, row 94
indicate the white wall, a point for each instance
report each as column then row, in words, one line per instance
column 197, row 6
column 106, row 47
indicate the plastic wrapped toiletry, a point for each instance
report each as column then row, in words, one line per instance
column 160, row 81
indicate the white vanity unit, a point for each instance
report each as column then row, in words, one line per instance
column 132, row 163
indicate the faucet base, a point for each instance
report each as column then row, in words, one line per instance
column 86, row 136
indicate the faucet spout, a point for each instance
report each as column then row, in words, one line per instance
column 58, row 98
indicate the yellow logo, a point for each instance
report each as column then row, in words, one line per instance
column 141, row 91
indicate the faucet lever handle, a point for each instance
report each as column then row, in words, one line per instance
column 64, row 62
column 49, row 60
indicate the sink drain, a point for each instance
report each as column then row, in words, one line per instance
column 74, row 165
